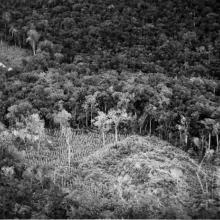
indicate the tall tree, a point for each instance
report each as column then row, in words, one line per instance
column 33, row 38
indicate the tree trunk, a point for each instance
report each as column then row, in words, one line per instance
column 105, row 107
column 86, row 119
column 38, row 147
column 180, row 135
column 217, row 143
column 34, row 48
column 103, row 138
column 69, row 155
column 209, row 141
column 75, row 112
column 202, row 141
column 19, row 41
column 67, row 136
column 91, row 116
column 116, row 134
column 186, row 139
column 5, row 32
column 150, row 128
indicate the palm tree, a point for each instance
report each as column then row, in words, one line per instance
column 6, row 17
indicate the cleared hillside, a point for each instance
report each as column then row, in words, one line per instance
column 141, row 177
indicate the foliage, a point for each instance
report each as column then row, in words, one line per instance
column 18, row 113
column 62, row 118
column 96, row 63
column 115, row 176
column 103, row 123
column 171, row 37
column 32, row 131
column 116, row 117
column 32, row 39
column 156, row 101
column 18, row 190
column 12, row 56
column 156, row 62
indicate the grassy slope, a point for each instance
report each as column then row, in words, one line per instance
column 142, row 177
column 148, row 177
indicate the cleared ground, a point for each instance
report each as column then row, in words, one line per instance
column 53, row 154
column 140, row 177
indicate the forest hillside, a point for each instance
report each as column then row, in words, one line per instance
column 172, row 37
column 109, row 109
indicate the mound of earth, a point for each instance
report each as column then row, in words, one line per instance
column 141, row 177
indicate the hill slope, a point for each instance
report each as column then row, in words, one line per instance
column 141, row 177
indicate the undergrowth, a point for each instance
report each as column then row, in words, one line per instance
column 12, row 56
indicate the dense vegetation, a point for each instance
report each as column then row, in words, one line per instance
column 172, row 37
column 177, row 109
column 114, row 67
